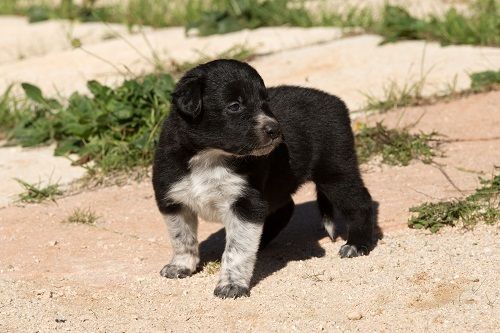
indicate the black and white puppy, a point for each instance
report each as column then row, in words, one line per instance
column 233, row 151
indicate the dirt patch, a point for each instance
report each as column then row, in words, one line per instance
column 79, row 277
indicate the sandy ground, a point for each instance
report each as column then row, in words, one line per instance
column 56, row 276
column 60, row 276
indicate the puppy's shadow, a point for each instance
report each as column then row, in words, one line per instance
column 298, row 241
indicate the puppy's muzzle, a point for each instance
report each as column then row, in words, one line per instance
column 272, row 129
column 268, row 133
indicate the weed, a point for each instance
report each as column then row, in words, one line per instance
column 36, row 193
column 12, row 111
column 395, row 96
column 350, row 18
column 485, row 81
column 83, row 216
column 480, row 27
column 397, row 147
column 116, row 128
column 237, row 52
column 41, row 10
column 228, row 16
column 481, row 206
column 211, row 267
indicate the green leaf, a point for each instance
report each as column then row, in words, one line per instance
column 33, row 92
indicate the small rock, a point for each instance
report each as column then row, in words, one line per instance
column 355, row 315
column 53, row 243
column 138, row 260
column 475, row 280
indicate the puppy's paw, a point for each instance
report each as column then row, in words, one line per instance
column 231, row 291
column 175, row 272
column 351, row 251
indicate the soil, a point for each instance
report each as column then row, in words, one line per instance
column 60, row 276
column 105, row 277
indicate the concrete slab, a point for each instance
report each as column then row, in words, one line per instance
column 21, row 40
column 68, row 71
column 356, row 66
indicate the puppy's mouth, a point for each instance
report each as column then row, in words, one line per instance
column 266, row 149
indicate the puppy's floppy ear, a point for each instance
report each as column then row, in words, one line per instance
column 187, row 96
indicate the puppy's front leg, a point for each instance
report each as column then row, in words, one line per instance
column 238, row 260
column 182, row 227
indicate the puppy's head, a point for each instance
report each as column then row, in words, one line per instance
column 225, row 104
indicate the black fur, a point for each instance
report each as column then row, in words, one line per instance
column 317, row 145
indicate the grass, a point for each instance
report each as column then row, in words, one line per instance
column 41, row 10
column 12, row 111
column 481, row 206
column 479, row 26
column 36, row 193
column 485, row 81
column 396, row 96
column 395, row 146
column 82, row 216
column 211, row 267
column 229, row 16
column 115, row 129
column 237, row 52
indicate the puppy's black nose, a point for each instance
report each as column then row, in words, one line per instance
column 272, row 129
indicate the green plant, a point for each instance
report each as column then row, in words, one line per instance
column 481, row 206
column 396, row 96
column 228, row 16
column 236, row 52
column 211, row 267
column 485, row 81
column 83, row 216
column 114, row 128
column 35, row 193
column 479, row 27
column 396, row 146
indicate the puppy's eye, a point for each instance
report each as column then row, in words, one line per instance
column 234, row 107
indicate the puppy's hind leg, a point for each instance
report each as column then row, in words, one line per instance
column 182, row 227
column 348, row 194
column 327, row 213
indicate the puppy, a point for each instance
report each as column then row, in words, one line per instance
column 235, row 152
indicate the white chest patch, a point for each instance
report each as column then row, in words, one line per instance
column 210, row 188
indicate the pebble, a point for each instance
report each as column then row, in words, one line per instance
column 53, row 243
column 354, row 315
